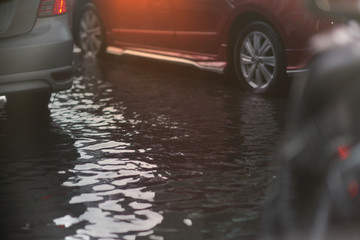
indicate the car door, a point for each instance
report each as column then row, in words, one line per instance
column 196, row 25
column 139, row 23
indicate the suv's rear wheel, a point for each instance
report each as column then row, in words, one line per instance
column 259, row 59
column 89, row 32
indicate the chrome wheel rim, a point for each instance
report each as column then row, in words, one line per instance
column 257, row 60
column 90, row 32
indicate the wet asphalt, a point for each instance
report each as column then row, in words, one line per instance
column 139, row 149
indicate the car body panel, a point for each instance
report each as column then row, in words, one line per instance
column 203, row 30
column 130, row 22
column 196, row 25
column 17, row 17
column 39, row 59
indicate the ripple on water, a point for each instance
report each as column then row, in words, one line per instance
column 161, row 157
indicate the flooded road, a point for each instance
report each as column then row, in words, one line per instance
column 139, row 150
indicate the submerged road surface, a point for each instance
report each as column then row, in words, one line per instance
column 139, row 150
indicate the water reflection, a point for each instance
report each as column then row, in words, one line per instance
column 165, row 158
column 116, row 200
column 105, row 180
column 143, row 151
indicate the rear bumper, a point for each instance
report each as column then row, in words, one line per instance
column 40, row 59
column 37, row 80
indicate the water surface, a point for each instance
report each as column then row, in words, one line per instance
column 140, row 150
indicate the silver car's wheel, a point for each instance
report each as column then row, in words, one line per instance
column 90, row 31
column 259, row 60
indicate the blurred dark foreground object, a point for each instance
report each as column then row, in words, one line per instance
column 318, row 190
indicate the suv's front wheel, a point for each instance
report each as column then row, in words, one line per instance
column 259, row 59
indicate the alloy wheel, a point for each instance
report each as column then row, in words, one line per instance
column 257, row 60
column 90, row 34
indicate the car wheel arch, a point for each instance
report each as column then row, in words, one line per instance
column 244, row 19
column 240, row 23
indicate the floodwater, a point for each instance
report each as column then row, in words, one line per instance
column 139, row 150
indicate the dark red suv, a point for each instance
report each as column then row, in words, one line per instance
column 260, row 41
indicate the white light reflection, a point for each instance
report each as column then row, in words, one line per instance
column 66, row 221
column 103, row 187
column 106, row 145
column 112, row 205
column 103, row 225
column 188, row 222
column 117, row 204
column 85, row 197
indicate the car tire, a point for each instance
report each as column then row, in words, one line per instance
column 259, row 59
column 89, row 31
column 28, row 103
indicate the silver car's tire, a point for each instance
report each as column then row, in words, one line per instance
column 259, row 59
column 89, row 31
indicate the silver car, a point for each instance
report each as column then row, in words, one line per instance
column 36, row 51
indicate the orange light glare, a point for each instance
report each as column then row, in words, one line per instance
column 59, row 7
column 50, row 8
